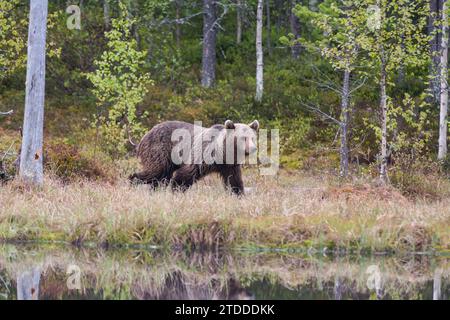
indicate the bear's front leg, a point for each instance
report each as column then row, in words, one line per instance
column 184, row 177
column 232, row 178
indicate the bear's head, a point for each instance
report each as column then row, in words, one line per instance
column 244, row 136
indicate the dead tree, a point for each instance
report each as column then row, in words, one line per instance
column 31, row 165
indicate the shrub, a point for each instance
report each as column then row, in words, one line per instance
column 419, row 177
column 69, row 163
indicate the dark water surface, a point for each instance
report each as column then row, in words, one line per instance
column 57, row 272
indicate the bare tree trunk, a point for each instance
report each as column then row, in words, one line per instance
column 295, row 30
column 28, row 283
column 442, row 153
column 239, row 21
column 31, row 168
column 177, row 25
column 383, row 107
column 344, row 124
column 269, row 28
column 106, row 14
column 435, row 48
column 259, row 53
column 209, row 44
column 279, row 9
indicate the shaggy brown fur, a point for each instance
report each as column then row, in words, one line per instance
column 155, row 150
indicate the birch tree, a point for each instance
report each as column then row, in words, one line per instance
column 259, row 53
column 120, row 84
column 31, row 167
column 344, row 24
column 395, row 40
column 442, row 152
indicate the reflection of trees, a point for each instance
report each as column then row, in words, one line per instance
column 437, row 284
column 119, row 274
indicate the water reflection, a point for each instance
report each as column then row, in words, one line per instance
column 52, row 272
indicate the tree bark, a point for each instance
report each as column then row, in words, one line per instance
column 259, row 53
column 279, row 10
column 344, row 124
column 239, row 21
column 295, row 30
column 435, row 48
column 106, row 14
column 442, row 153
column 209, row 44
column 269, row 28
column 31, row 168
column 383, row 107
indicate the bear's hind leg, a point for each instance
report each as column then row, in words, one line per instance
column 154, row 178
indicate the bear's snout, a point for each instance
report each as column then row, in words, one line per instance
column 251, row 149
column 250, row 145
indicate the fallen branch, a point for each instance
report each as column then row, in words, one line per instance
column 7, row 113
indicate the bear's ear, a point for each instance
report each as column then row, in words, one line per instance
column 254, row 125
column 229, row 124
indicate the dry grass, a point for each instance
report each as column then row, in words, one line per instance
column 287, row 211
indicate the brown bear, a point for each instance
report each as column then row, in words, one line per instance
column 181, row 153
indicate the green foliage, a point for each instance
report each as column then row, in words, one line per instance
column 343, row 26
column 397, row 38
column 120, row 85
column 408, row 125
column 141, row 40
column 12, row 44
column 293, row 133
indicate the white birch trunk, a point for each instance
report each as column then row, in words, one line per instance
column 383, row 106
column 31, row 168
column 442, row 153
column 259, row 53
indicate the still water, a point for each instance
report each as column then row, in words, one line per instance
column 61, row 272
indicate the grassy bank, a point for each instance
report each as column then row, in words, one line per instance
column 286, row 211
